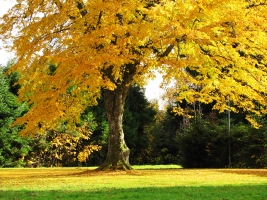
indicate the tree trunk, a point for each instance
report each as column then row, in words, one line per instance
column 118, row 152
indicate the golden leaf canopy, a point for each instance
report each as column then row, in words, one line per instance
column 67, row 50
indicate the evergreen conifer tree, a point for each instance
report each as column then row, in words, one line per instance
column 13, row 147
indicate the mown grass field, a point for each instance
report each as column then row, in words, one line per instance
column 144, row 182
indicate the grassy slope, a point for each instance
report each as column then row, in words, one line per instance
column 147, row 182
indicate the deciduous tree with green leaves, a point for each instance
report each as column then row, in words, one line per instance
column 112, row 44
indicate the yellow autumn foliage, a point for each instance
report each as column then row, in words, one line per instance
column 83, row 155
column 63, row 147
column 102, row 44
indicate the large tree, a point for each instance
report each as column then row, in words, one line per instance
column 112, row 44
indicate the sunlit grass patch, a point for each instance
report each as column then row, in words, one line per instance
column 144, row 182
column 157, row 166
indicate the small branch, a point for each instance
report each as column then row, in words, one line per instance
column 205, row 51
column 82, row 9
column 99, row 18
column 58, row 4
column 80, row 6
column 120, row 17
column 167, row 51
column 252, row 4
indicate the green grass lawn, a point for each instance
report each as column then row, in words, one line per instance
column 144, row 182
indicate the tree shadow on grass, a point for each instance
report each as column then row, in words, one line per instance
column 141, row 172
column 255, row 172
column 247, row 192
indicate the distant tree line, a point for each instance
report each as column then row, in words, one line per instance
column 204, row 141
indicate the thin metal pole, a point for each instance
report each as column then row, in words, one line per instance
column 229, row 131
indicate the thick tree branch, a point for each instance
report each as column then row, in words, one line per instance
column 128, row 71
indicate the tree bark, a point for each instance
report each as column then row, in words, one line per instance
column 118, row 152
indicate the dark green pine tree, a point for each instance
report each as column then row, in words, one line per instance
column 13, row 147
column 100, row 132
column 166, row 149
column 138, row 115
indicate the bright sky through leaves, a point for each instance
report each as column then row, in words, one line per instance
column 4, row 6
